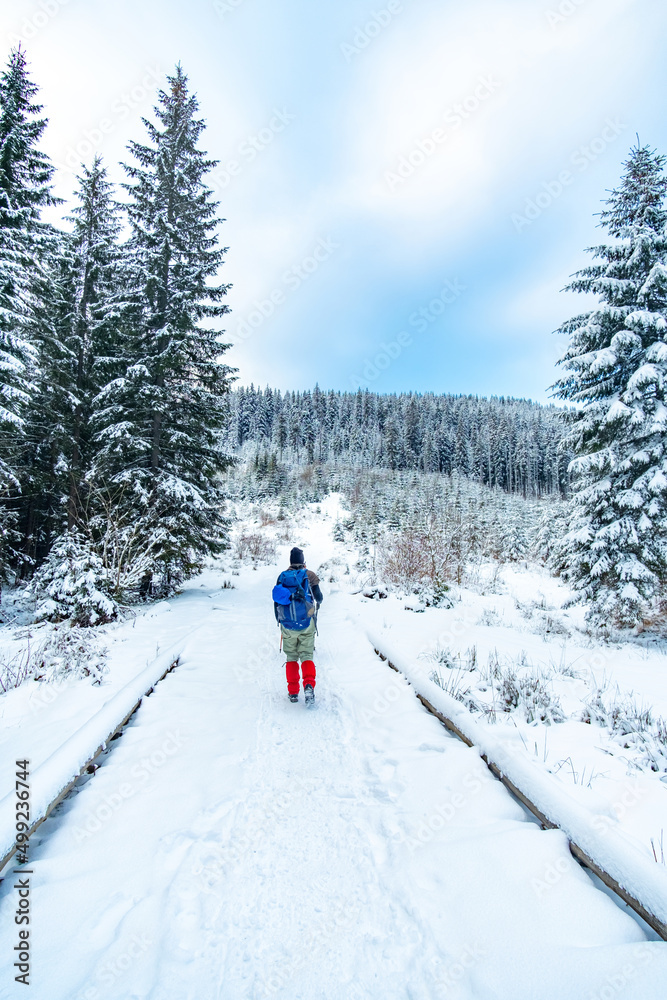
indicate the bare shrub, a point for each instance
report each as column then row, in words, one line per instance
column 16, row 670
column 415, row 561
column 655, row 618
column 285, row 529
column 255, row 547
column 453, row 682
column 120, row 541
column 71, row 652
column 64, row 651
column 400, row 559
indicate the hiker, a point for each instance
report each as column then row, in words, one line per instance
column 296, row 601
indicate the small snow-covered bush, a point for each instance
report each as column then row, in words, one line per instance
column 509, row 693
column 551, row 624
column 633, row 727
column 622, row 716
column 439, row 596
column 331, row 569
column 71, row 651
column 526, row 610
column 443, row 656
column 71, row 585
column 538, row 701
column 543, row 621
column 531, row 694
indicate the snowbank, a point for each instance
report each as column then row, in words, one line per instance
column 644, row 880
column 58, row 770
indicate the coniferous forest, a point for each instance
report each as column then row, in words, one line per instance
column 511, row 444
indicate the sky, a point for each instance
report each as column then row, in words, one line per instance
column 406, row 185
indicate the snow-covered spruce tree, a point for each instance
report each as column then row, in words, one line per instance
column 25, row 188
column 95, row 284
column 616, row 546
column 75, row 332
column 71, row 585
column 38, row 508
column 158, row 424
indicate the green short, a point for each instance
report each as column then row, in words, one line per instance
column 299, row 645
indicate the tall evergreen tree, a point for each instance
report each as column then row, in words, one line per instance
column 616, row 366
column 75, row 334
column 93, row 328
column 159, row 423
column 25, row 189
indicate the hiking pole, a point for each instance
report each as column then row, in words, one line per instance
column 281, row 642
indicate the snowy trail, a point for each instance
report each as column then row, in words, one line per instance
column 237, row 846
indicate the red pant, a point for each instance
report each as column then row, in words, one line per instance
column 292, row 670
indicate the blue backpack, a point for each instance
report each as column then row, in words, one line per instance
column 294, row 598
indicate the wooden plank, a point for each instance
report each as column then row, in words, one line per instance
column 658, row 925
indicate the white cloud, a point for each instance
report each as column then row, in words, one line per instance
column 502, row 62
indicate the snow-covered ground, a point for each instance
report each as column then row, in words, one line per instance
column 513, row 623
column 234, row 845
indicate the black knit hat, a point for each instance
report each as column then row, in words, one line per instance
column 296, row 557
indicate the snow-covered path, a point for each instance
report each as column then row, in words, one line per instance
column 237, row 846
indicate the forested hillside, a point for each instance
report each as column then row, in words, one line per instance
column 509, row 443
